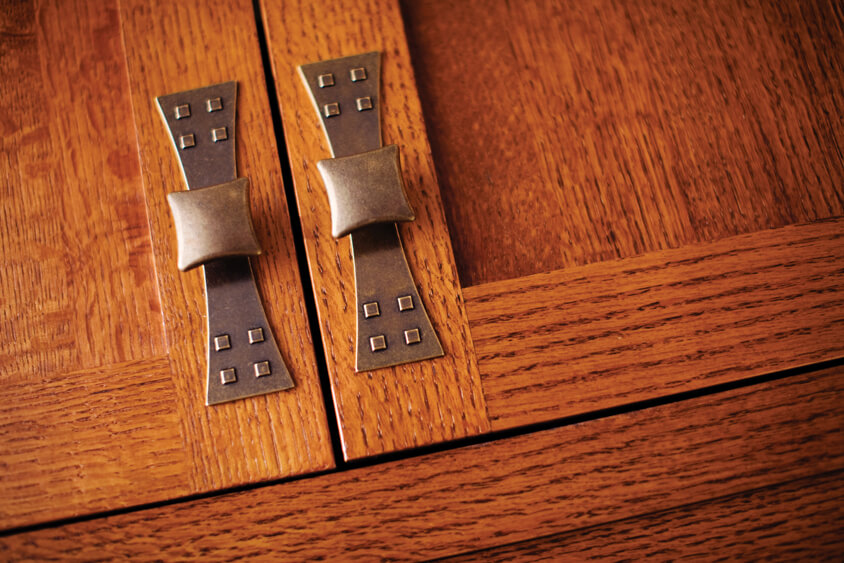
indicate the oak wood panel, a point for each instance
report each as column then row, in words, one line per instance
column 567, row 133
column 601, row 335
column 797, row 521
column 409, row 405
column 175, row 46
column 87, row 421
column 500, row 492
column 76, row 278
column 87, row 441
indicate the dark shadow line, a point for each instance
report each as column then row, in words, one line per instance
column 453, row 445
column 299, row 240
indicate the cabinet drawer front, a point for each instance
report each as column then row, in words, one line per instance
column 106, row 354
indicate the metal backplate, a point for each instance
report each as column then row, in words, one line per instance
column 350, row 129
column 243, row 357
column 389, row 306
column 392, row 324
column 236, row 317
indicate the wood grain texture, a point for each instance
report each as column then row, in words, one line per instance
column 175, row 46
column 87, row 421
column 76, row 268
column 501, row 492
column 87, row 441
column 414, row 404
column 568, row 133
column 602, row 335
column 797, row 521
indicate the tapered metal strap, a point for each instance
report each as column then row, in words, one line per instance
column 392, row 324
column 243, row 358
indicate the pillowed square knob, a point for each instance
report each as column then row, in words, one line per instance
column 213, row 222
column 365, row 189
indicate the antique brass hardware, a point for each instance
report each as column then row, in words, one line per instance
column 214, row 229
column 367, row 198
column 213, row 222
column 365, row 189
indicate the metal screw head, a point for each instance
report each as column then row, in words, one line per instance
column 412, row 336
column 256, row 335
column 228, row 376
column 378, row 343
column 222, row 342
column 187, row 141
column 332, row 109
column 219, row 134
column 371, row 310
column 405, row 303
column 262, row 369
column 182, row 111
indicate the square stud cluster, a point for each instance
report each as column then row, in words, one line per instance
column 188, row 140
column 224, row 342
column 327, row 81
column 378, row 342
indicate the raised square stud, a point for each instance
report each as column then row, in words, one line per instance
column 182, row 111
column 219, row 134
column 256, row 335
column 228, row 376
column 364, row 103
column 371, row 310
column 187, row 141
column 378, row 343
column 358, row 74
column 214, row 104
column 412, row 336
column 405, row 303
column 330, row 110
column 222, row 342
column 261, row 368
column 325, row 80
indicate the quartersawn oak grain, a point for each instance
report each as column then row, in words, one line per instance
column 796, row 521
column 602, row 335
column 501, row 492
column 76, row 263
column 176, row 46
column 87, row 420
column 414, row 404
column 568, row 133
column 87, row 441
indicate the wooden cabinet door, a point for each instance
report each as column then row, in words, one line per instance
column 631, row 200
column 102, row 357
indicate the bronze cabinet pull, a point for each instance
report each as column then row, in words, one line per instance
column 365, row 189
column 367, row 197
column 213, row 222
column 214, row 229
